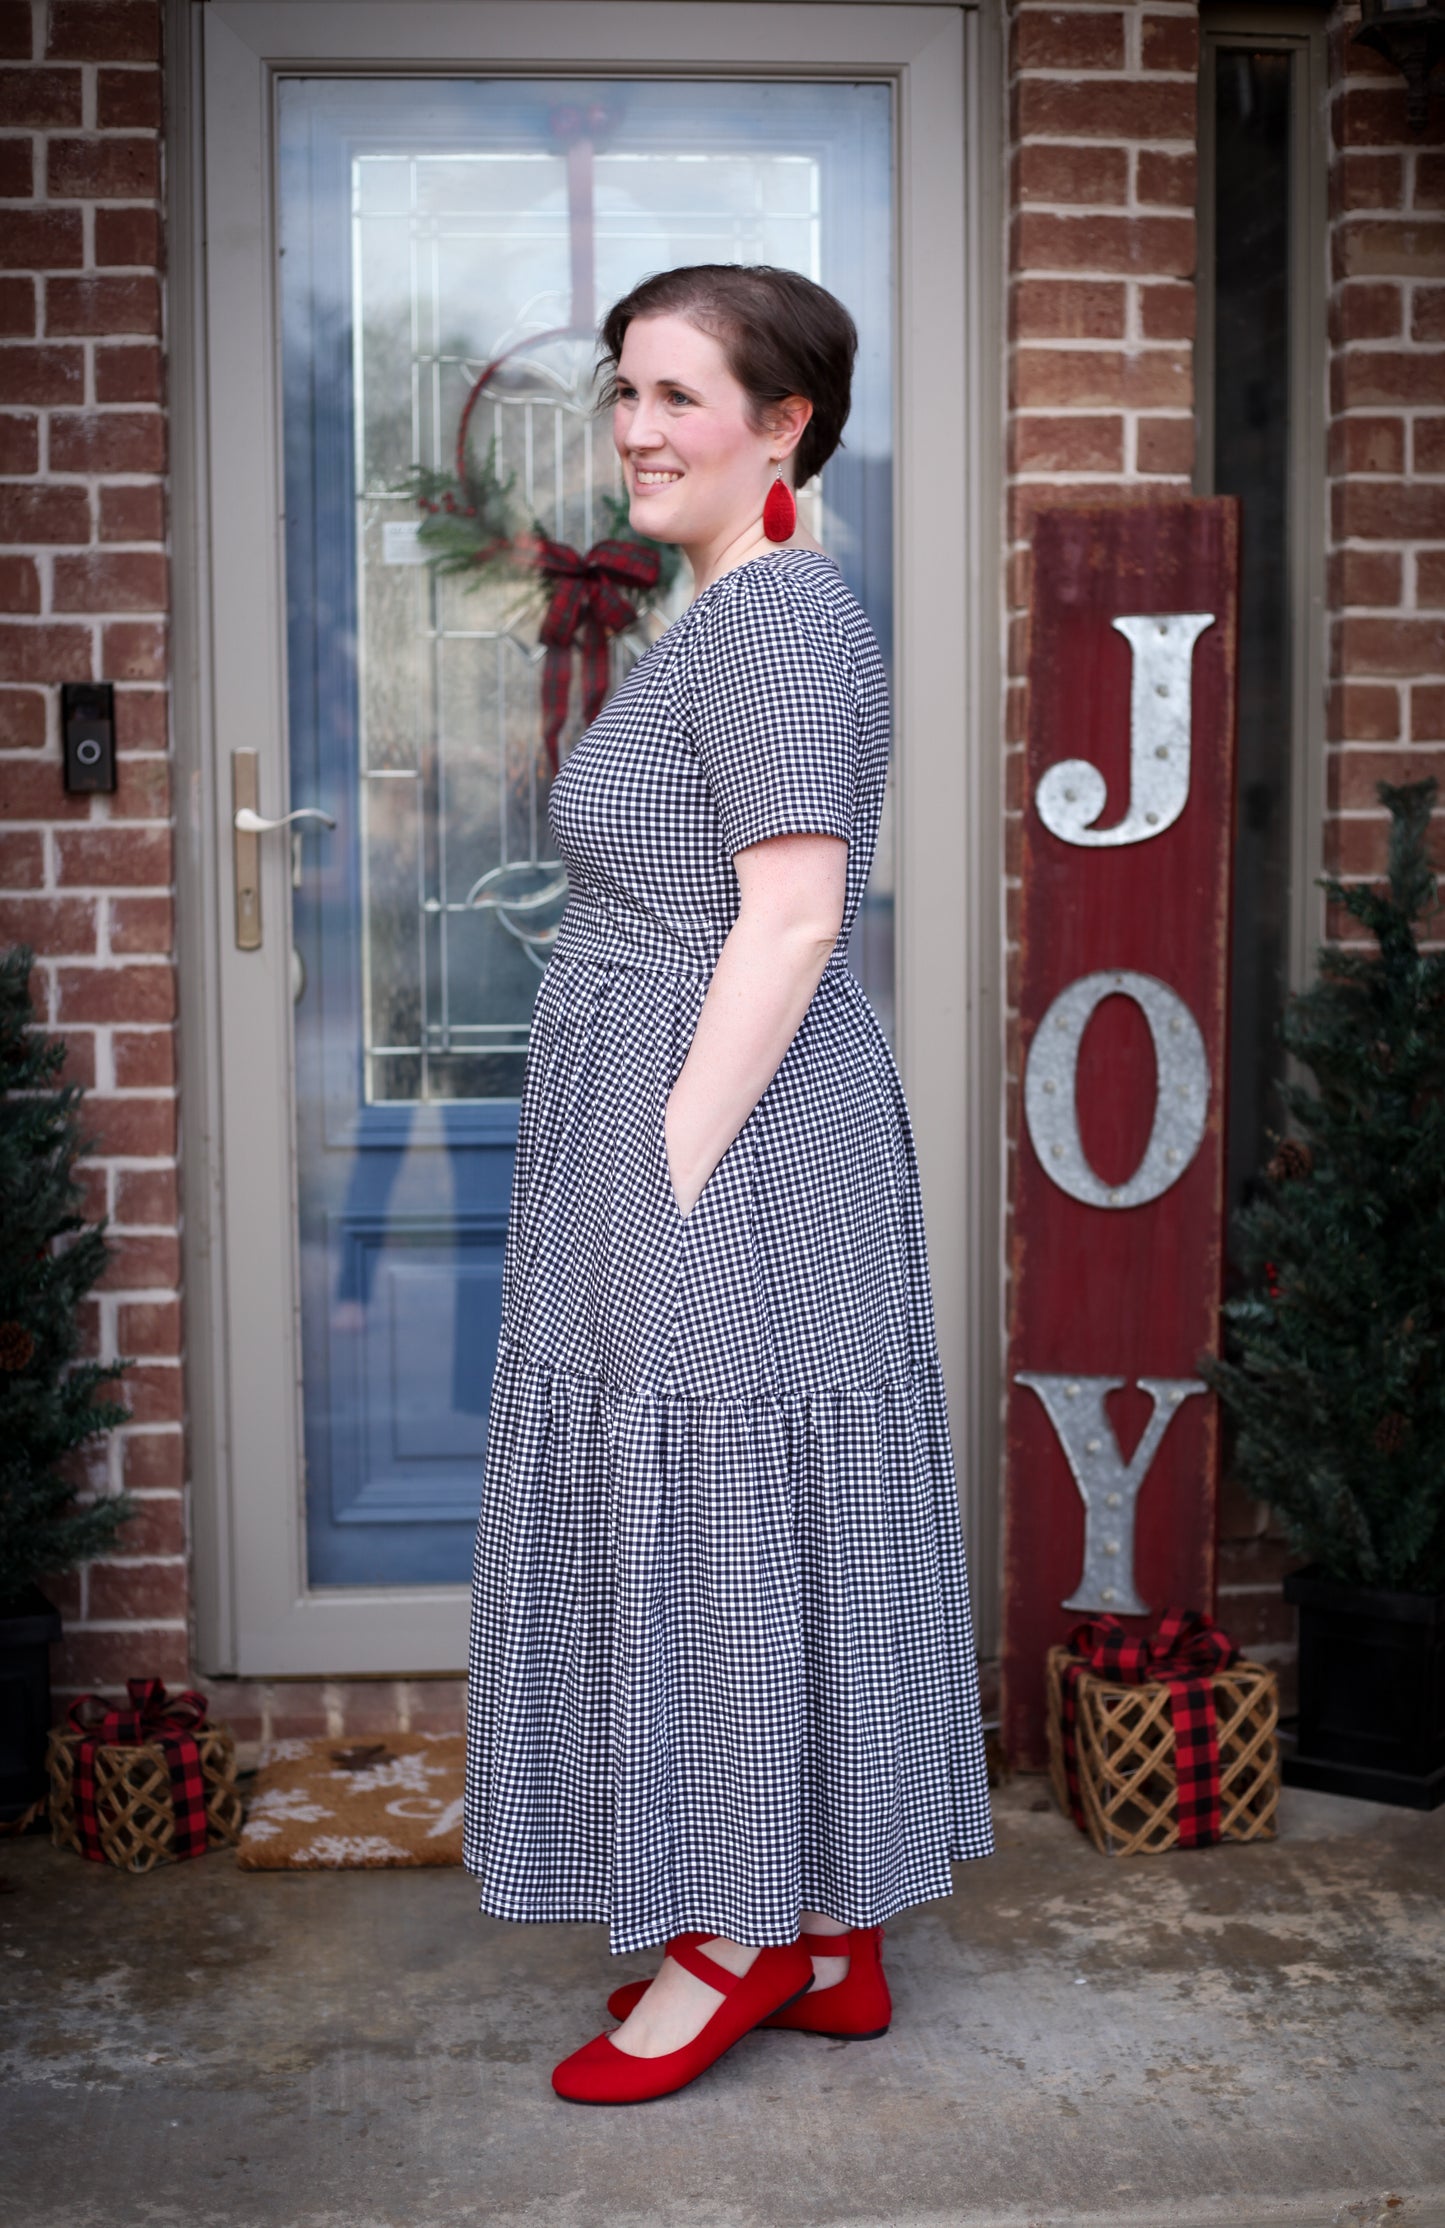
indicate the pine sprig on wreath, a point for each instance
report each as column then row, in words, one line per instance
column 469, row 527
column 474, row 526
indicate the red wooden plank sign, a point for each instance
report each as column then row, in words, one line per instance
column 1118, row 1194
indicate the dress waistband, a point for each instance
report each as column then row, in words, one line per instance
column 591, row 932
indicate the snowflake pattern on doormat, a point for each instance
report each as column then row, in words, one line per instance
column 308, row 1813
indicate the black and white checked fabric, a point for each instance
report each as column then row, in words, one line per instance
column 722, row 1663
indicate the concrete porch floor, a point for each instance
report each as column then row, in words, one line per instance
column 1235, row 2035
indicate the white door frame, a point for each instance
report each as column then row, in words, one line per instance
column 255, row 1616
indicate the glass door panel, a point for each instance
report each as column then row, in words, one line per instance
column 446, row 250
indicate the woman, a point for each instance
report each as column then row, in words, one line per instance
column 722, row 1677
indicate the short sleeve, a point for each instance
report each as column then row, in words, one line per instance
column 773, row 704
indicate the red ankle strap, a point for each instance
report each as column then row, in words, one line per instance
column 683, row 1949
column 826, row 1945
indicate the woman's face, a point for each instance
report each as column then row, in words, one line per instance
column 697, row 471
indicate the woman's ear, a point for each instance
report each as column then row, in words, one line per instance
column 788, row 422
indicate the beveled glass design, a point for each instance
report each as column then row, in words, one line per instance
column 430, row 228
column 461, row 257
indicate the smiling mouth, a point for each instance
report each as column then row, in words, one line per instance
column 648, row 479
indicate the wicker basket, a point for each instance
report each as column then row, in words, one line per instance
column 133, row 1797
column 1127, row 1778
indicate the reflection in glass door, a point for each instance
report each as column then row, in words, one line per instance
column 447, row 248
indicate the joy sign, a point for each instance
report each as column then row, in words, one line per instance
column 1116, row 1254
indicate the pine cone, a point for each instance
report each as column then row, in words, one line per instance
column 16, row 1346
column 1390, row 1431
column 1294, row 1159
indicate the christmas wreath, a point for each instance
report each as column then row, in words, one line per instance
column 470, row 526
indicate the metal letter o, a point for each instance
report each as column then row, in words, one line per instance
column 1181, row 1103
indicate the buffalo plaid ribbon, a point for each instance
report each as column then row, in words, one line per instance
column 1185, row 1653
column 590, row 600
column 170, row 1721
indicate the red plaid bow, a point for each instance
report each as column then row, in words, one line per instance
column 587, row 599
column 1185, row 1652
column 171, row 1721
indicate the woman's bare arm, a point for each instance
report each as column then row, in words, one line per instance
column 793, row 889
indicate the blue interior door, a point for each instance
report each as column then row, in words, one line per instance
column 429, row 230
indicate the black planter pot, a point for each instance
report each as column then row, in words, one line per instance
column 1372, row 1692
column 27, row 1627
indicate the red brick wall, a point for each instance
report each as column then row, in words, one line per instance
column 83, row 596
column 1386, row 445
column 270, row 1709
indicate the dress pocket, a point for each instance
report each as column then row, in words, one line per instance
column 669, row 1188
column 717, row 1182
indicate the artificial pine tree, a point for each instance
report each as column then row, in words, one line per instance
column 48, row 1404
column 1335, row 1376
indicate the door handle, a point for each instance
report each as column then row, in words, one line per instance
column 250, row 823
column 247, row 826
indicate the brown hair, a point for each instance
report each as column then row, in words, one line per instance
column 782, row 335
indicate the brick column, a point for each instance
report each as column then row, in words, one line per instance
column 84, row 595
column 1386, row 447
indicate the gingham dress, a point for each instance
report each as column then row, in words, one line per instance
column 722, row 1665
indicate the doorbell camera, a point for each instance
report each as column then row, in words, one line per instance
column 87, row 720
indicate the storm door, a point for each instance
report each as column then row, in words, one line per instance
column 446, row 248
column 393, row 231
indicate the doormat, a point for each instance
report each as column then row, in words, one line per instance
column 325, row 1805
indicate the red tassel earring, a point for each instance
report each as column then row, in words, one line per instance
column 780, row 512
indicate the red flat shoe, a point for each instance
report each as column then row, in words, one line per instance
column 600, row 2073
column 858, row 2008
